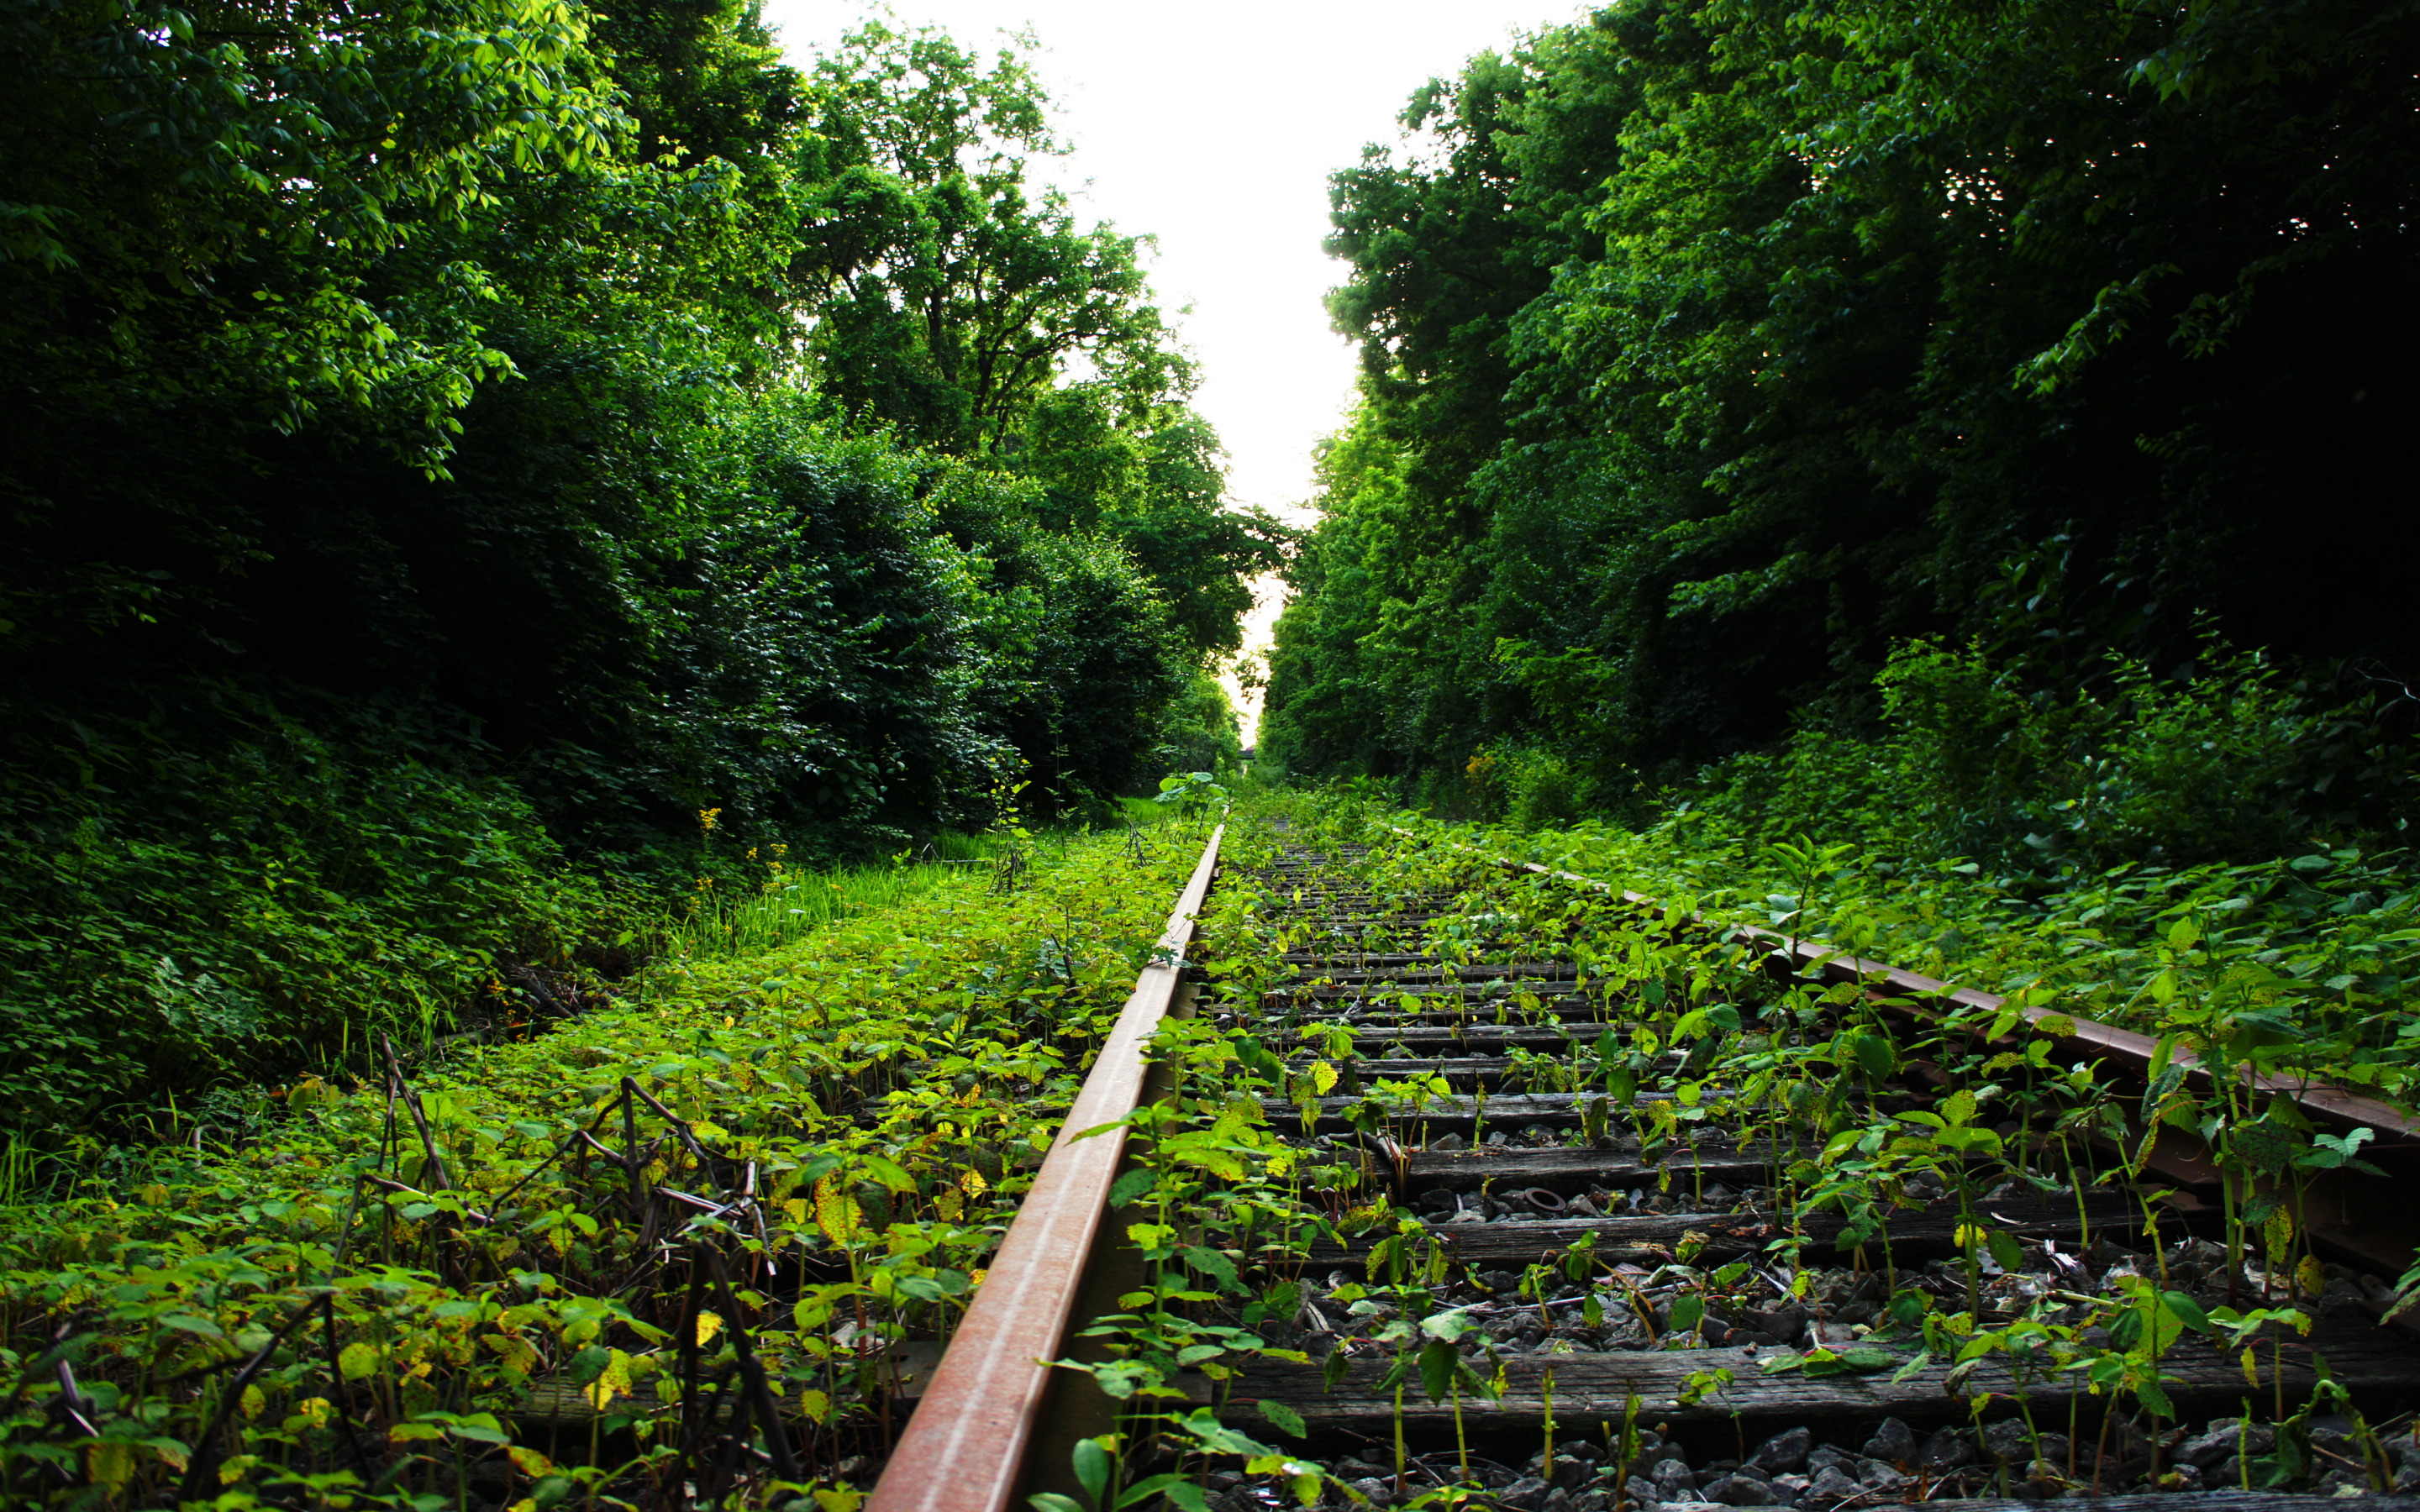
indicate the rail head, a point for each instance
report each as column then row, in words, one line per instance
column 964, row 1450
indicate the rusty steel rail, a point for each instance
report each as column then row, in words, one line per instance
column 964, row 1450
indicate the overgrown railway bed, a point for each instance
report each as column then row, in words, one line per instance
column 1559, row 1200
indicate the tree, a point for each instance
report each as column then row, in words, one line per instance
column 1715, row 349
column 953, row 297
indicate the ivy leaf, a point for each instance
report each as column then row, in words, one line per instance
column 1131, row 1185
column 1285, row 1419
column 1438, row 1362
column 2004, row 1250
column 1210, row 1263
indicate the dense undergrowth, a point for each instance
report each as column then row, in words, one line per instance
column 596, row 1267
column 782, row 1158
column 2232, row 839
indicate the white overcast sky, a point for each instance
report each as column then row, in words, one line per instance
column 1214, row 127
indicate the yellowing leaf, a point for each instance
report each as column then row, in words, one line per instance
column 358, row 1360
column 835, row 1212
column 843, row 1499
column 520, row 1357
column 110, row 1462
column 528, row 1461
column 974, row 1184
column 815, row 1405
column 2313, row 1278
column 254, row 1401
column 709, row 1325
column 611, row 1381
column 797, row 1209
column 1322, row 1076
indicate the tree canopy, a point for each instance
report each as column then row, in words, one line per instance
column 589, row 403
column 1711, row 351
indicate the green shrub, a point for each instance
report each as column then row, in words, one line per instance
column 245, row 904
column 2235, row 761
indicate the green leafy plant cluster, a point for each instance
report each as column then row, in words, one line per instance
column 1700, row 1036
column 719, row 1215
column 1692, row 1044
column 2318, row 946
column 272, row 904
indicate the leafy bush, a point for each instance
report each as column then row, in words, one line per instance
column 194, row 910
column 2233, row 761
column 885, row 1083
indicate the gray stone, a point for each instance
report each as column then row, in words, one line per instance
column 1783, row 1322
column 1674, row 1479
column 1829, row 1486
column 1893, row 1441
column 1783, row 1452
column 1947, row 1449
column 2217, row 1446
column 1878, row 1476
column 1557, row 1500
column 1571, row 1474
column 2010, row 1441
column 1529, row 1493
column 1825, row 1457
column 1740, row 1490
column 1375, row 1489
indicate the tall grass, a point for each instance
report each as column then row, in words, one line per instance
column 792, row 902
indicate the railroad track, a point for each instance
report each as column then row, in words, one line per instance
column 1589, row 1231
